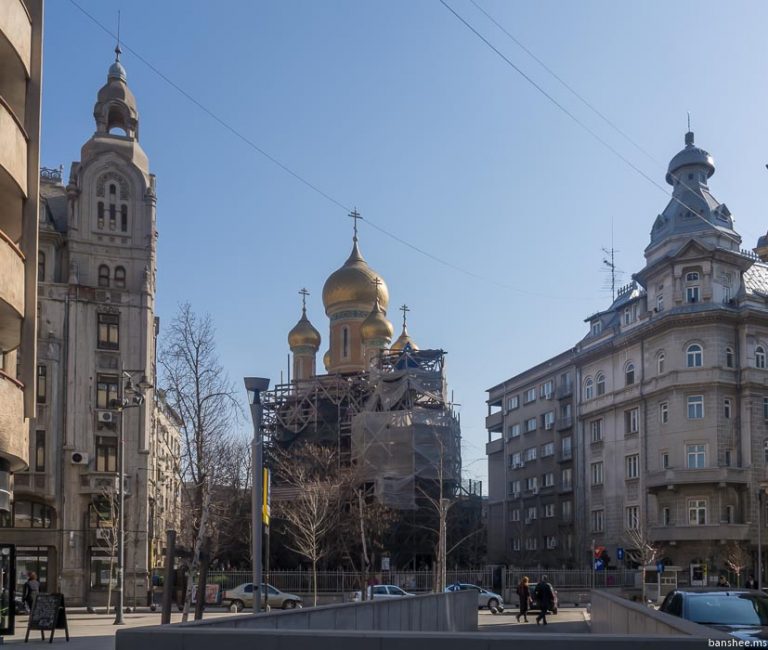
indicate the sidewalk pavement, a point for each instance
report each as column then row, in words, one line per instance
column 93, row 631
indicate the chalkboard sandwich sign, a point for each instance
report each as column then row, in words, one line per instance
column 48, row 613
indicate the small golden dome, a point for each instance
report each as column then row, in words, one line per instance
column 327, row 359
column 304, row 333
column 402, row 340
column 354, row 283
column 376, row 326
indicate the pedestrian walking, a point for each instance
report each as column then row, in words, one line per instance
column 30, row 590
column 524, row 594
column 722, row 582
column 545, row 596
column 751, row 583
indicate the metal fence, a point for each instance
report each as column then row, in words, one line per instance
column 339, row 582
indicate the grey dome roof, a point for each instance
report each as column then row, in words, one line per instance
column 117, row 71
column 691, row 155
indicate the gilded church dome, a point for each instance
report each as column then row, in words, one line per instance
column 402, row 340
column 304, row 333
column 354, row 283
column 327, row 359
column 376, row 326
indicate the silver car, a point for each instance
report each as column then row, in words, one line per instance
column 242, row 596
column 378, row 592
column 485, row 598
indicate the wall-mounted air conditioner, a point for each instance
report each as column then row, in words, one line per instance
column 79, row 458
column 106, row 417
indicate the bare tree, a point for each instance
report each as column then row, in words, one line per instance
column 312, row 512
column 202, row 395
column 737, row 558
column 641, row 549
column 106, row 508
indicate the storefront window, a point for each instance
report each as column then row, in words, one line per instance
column 29, row 514
column 28, row 559
column 102, row 570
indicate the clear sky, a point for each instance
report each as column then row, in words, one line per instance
column 397, row 108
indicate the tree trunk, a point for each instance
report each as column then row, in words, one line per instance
column 111, row 576
column 365, row 561
column 314, row 582
column 196, row 554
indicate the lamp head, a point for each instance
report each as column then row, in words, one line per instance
column 255, row 386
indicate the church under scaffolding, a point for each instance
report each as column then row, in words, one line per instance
column 383, row 406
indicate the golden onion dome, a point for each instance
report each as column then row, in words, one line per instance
column 376, row 326
column 327, row 359
column 402, row 340
column 354, row 283
column 304, row 333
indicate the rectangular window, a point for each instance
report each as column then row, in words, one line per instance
column 531, row 514
column 530, row 454
column 632, row 466
column 548, row 419
column 697, row 512
column 106, row 454
column 631, row 421
column 513, row 402
column 566, row 447
column 696, row 455
column 597, row 473
column 551, row 541
column 547, row 389
column 596, row 430
column 632, row 517
column 548, row 479
column 42, row 384
column 532, row 483
column 566, row 479
column 727, row 408
column 665, row 460
column 530, row 425
column 106, row 391
column 548, row 449
column 516, row 544
column 664, row 412
column 530, row 396
column 765, row 408
column 513, row 431
column 595, row 327
column 660, row 303
column 124, row 218
column 549, row 510
column 666, row 517
column 727, row 457
column 692, row 294
column 566, row 510
column 597, row 521
column 516, row 514
column 39, row 451
column 517, row 459
column 514, row 488
column 566, row 411
column 695, row 407
column 530, row 544
column 109, row 332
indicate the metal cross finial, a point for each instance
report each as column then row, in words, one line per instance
column 304, row 293
column 118, row 51
column 405, row 311
column 355, row 215
column 689, row 120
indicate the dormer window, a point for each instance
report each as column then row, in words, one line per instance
column 627, row 316
column 596, row 327
column 660, row 302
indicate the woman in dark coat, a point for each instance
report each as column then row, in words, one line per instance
column 524, row 593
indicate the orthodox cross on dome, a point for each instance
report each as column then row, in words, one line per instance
column 355, row 215
column 405, row 311
column 304, row 293
column 118, row 51
column 377, row 281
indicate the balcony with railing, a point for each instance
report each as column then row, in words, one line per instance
column 722, row 531
column 564, row 423
column 564, row 390
column 495, row 422
column 669, row 479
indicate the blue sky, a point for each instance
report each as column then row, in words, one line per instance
column 397, row 108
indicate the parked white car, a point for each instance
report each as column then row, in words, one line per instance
column 379, row 592
column 242, row 596
column 485, row 598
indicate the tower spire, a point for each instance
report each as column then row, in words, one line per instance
column 405, row 311
column 304, row 293
column 118, row 51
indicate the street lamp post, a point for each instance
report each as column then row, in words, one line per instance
column 133, row 397
column 254, row 387
column 760, row 495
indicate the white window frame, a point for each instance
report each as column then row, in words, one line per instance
column 695, row 407
column 632, row 517
column 600, row 384
column 632, row 421
column 530, row 454
column 596, row 473
column 727, row 408
column 566, row 485
column 547, row 389
column 597, row 520
column 531, row 424
column 760, row 357
column 664, row 459
column 530, row 395
column 692, row 295
column 548, row 449
column 514, row 430
column 513, row 402
column 589, row 388
column 548, row 479
column 695, row 455
column 549, row 510
column 663, row 412
column 515, row 514
column 566, row 509
column 694, row 356
column 660, row 357
column 596, row 430
column 632, row 466
column 730, row 357
column 697, row 506
column 629, row 374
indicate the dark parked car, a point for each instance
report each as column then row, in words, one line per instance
column 742, row 613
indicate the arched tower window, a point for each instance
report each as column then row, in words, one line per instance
column 660, row 363
column 40, row 266
column 629, row 374
column 589, row 388
column 759, row 357
column 694, row 356
column 345, row 342
column 600, row 384
column 104, row 276
column 120, row 277
column 729, row 358
column 124, row 218
column 100, row 214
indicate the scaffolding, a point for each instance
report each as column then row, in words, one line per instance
column 393, row 422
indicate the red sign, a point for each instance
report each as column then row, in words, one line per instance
column 599, row 550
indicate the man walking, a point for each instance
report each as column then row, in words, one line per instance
column 545, row 595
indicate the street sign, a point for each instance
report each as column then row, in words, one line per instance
column 619, row 553
column 660, row 567
column 599, row 565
